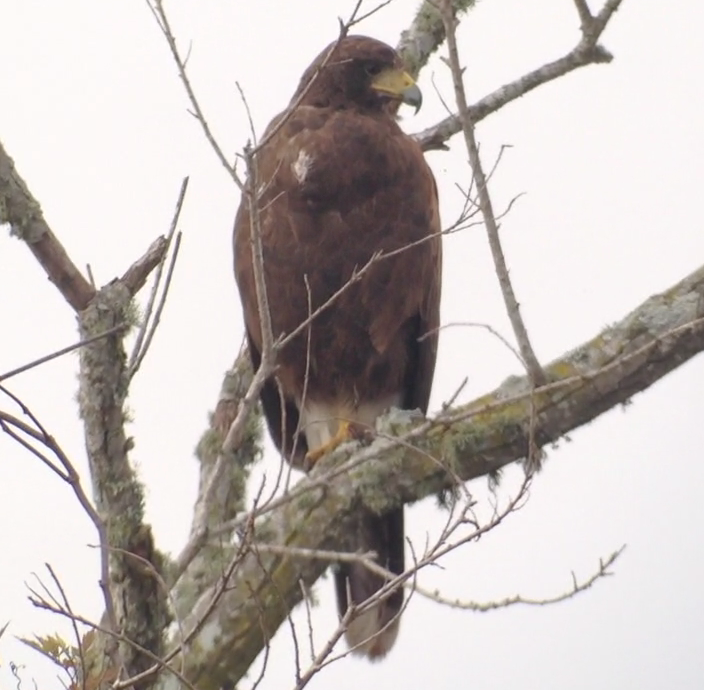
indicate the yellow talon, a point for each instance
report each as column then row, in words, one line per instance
column 344, row 433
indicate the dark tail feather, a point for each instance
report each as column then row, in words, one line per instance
column 373, row 632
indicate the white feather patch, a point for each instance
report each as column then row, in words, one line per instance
column 319, row 420
column 302, row 165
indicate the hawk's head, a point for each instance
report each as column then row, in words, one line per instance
column 358, row 72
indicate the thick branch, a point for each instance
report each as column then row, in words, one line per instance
column 202, row 559
column 140, row 604
column 22, row 211
column 426, row 34
column 474, row 440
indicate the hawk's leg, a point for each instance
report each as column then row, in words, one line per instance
column 344, row 433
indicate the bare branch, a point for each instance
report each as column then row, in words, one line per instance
column 586, row 52
column 577, row 588
column 147, row 332
column 530, row 361
column 110, row 675
column 255, row 239
column 71, row 476
column 67, row 606
column 585, row 14
column 22, row 211
column 157, row 8
column 61, row 352
column 136, row 275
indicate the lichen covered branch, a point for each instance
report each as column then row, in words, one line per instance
column 137, row 608
column 140, row 605
column 468, row 441
column 23, row 213
column 426, row 34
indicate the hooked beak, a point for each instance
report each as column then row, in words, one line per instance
column 398, row 84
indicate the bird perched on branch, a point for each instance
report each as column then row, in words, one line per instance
column 343, row 203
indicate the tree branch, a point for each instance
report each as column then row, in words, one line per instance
column 140, row 611
column 426, row 34
column 528, row 356
column 202, row 559
column 140, row 605
column 23, row 213
column 586, row 52
column 472, row 440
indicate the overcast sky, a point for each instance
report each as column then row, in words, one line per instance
column 610, row 159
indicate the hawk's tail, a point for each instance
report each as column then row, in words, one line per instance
column 373, row 632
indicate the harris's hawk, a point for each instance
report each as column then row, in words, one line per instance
column 339, row 182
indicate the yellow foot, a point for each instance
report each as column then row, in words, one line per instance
column 344, row 433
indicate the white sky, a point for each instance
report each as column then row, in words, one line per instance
column 610, row 159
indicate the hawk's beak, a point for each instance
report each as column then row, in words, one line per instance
column 398, row 84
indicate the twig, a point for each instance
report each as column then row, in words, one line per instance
column 7, row 421
column 530, row 361
column 296, row 101
column 483, row 326
column 586, row 52
column 318, row 661
column 144, row 336
column 257, row 249
column 72, row 477
column 61, row 352
column 366, row 15
column 577, row 588
column 67, row 604
column 159, row 664
column 319, row 554
column 157, row 9
column 142, row 353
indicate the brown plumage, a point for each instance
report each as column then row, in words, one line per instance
column 338, row 182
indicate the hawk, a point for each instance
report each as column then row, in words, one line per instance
column 339, row 184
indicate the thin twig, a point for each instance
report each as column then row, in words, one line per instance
column 577, row 588
column 257, row 249
column 530, row 361
column 61, row 352
column 73, row 479
column 145, row 334
column 159, row 664
column 142, row 352
column 344, row 29
column 67, row 604
column 157, row 8
column 586, row 52
column 317, row 554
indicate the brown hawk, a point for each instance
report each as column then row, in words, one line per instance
column 338, row 183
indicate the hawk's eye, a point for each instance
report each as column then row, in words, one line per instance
column 372, row 68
